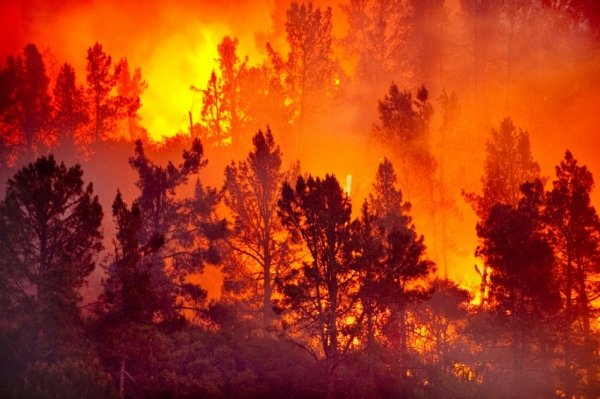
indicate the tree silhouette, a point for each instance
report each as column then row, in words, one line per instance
column 404, row 129
column 252, row 189
column 128, row 305
column 508, row 165
column 70, row 112
column 26, row 105
column 180, row 223
column 402, row 262
column 101, row 82
column 523, row 293
column 49, row 239
column 130, row 86
column 321, row 293
column 574, row 227
column 310, row 69
column 376, row 35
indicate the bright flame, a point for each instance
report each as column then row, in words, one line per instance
column 185, row 57
column 348, row 187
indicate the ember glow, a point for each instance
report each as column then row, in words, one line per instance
column 386, row 193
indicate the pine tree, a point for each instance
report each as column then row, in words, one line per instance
column 321, row 293
column 70, row 112
column 252, row 190
column 508, row 165
column 523, row 292
column 101, row 82
column 49, row 238
column 575, row 229
column 184, row 224
column 130, row 86
column 404, row 129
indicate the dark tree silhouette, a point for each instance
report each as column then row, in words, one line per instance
column 575, row 229
column 321, row 293
column 26, row 106
column 128, row 305
column 101, row 81
column 70, row 112
column 401, row 262
column 180, row 222
column 508, row 165
column 252, row 190
column 49, row 239
column 523, row 291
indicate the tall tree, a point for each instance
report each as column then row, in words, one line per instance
column 402, row 261
column 404, row 129
column 130, row 86
column 70, row 111
column 427, row 23
column 321, row 293
column 26, row 104
column 181, row 222
column 508, row 165
column 252, row 190
column 101, row 81
column 9, row 133
column 523, row 292
column 223, row 110
column 310, row 69
column 49, row 238
column 127, row 307
column 575, row 229
column 377, row 34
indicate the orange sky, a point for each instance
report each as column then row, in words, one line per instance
column 175, row 44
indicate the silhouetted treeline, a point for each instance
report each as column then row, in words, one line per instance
column 315, row 302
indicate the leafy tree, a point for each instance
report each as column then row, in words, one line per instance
column 129, row 304
column 400, row 262
column 70, row 111
column 377, row 34
column 130, row 86
column 523, row 293
column 321, row 293
column 101, row 82
column 49, row 238
column 26, row 105
column 214, row 110
column 252, row 189
column 181, row 223
column 508, row 165
column 574, row 227
column 310, row 69
column 404, row 129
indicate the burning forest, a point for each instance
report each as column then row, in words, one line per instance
column 285, row 199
